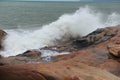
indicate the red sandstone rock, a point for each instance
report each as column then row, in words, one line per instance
column 14, row 73
column 19, row 60
column 99, row 54
column 93, row 52
column 114, row 50
column 62, row 70
column 111, row 66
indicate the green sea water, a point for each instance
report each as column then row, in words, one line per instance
column 15, row 15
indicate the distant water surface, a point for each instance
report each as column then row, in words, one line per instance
column 35, row 14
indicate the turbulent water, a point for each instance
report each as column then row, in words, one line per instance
column 32, row 25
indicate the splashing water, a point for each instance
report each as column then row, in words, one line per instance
column 80, row 23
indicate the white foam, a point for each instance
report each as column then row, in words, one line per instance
column 80, row 23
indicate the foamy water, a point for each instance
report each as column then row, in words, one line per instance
column 80, row 23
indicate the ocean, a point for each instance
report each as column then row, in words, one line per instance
column 33, row 25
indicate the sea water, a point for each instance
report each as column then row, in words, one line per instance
column 33, row 25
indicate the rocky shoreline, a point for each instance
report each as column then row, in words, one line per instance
column 95, row 56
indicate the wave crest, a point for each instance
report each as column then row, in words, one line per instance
column 80, row 23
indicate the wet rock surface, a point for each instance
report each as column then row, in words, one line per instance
column 93, row 57
column 96, row 37
column 31, row 54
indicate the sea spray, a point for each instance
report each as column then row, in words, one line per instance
column 77, row 24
